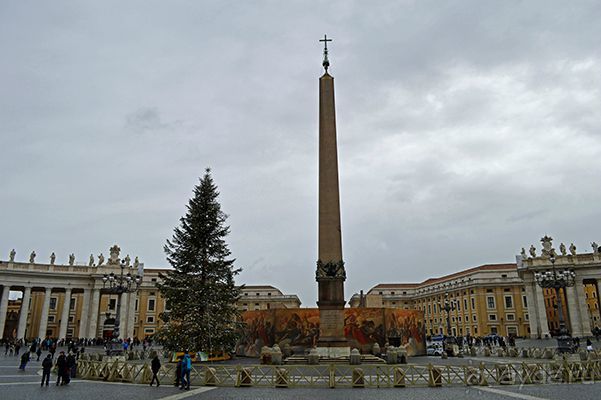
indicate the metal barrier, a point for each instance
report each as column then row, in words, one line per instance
column 346, row 376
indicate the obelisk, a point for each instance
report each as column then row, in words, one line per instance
column 330, row 273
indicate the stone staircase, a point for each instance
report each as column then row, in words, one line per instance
column 304, row 360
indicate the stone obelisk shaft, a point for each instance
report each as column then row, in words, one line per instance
column 330, row 241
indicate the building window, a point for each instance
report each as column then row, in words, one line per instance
column 148, row 331
column 474, row 318
column 492, row 317
column 473, row 303
column 475, row 330
column 525, row 301
column 526, row 317
column 508, row 301
column 53, row 303
column 150, row 319
column 465, row 304
column 490, row 302
column 151, row 304
column 71, row 318
column 112, row 304
column 51, row 318
column 246, row 294
column 269, row 294
column 72, row 304
column 510, row 317
column 136, row 304
column 258, row 294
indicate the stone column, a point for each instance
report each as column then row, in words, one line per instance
column 132, row 314
column 44, row 317
column 124, row 315
column 579, row 322
column 24, row 313
column 93, row 325
column 541, row 311
column 535, row 328
column 62, row 332
column 3, row 308
column 85, row 307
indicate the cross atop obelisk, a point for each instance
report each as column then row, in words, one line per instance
column 330, row 274
column 326, row 62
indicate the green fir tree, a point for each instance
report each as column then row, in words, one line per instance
column 200, row 291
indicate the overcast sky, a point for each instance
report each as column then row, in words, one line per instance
column 467, row 130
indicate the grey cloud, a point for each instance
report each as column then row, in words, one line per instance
column 466, row 130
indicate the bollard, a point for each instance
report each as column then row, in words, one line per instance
column 355, row 357
column 376, row 350
column 392, row 356
column 358, row 378
column 313, row 357
column 276, row 356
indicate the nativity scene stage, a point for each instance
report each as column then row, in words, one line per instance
column 330, row 331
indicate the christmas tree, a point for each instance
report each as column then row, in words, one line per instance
column 200, row 292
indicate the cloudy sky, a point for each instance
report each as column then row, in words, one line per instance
column 466, row 129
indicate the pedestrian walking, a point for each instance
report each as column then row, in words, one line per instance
column 46, row 367
column 61, row 369
column 589, row 345
column 24, row 361
column 186, row 368
column 155, row 366
column 38, row 352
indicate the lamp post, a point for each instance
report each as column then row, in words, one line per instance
column 119, row 284
column 449, row 339
column 558, row 280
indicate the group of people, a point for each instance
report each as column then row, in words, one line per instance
column 66, row 364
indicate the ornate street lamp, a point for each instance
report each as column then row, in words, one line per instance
column 449, row 339
column 557, row 280
column 119, row 284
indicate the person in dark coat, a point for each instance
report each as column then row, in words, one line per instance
column 38, row 352
column 71, row 367
column 46, row 367
column 24, row 360
column 155, row 366
column 178, row 372
column 61, row 367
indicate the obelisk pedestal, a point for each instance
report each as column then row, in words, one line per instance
column 330, row 273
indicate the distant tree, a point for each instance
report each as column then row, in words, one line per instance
column 200, row 291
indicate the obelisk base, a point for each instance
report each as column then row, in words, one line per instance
column 332, row 342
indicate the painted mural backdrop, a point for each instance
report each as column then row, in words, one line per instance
column 299, row 328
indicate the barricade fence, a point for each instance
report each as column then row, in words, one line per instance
column 345, row 376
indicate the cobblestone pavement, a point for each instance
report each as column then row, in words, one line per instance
column 15, row 384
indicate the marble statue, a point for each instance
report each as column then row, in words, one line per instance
column 572, row 249
column 595, row 247
column 32, row 257
column 136, row 263
column 127, row 260
column 523, row 254
column 114, row 255
column 52, row 258
column 100, row 259
column 71, row 259
column 12, row 255
column 562, row 249
column 91, row 262
column 532, row 251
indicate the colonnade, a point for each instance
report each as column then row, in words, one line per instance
column 88, row 323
